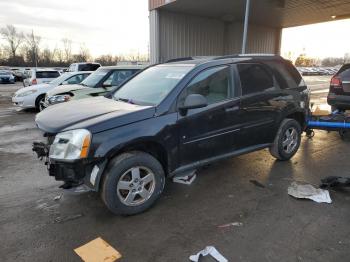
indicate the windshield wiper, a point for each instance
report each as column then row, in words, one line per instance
column 129, row 101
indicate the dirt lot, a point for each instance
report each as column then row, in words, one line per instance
column 275, row 227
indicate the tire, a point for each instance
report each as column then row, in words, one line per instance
column 38, row 101
column 283, row 149
column 123, row 191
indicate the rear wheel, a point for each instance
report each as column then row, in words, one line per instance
column 132, row 183
column 287, row 140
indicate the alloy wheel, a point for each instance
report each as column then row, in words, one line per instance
column 290, row 140
column 136, row 186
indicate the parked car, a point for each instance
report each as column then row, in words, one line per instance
column 339, row 90
column 34, row 96
column 6, row 77
column 86, row 66
column 39, row 76
column 171, row 119
column 98, row 83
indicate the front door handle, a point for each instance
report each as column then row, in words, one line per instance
column 232, row 109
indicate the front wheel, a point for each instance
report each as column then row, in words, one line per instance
column 287, row 140
column 133, row 182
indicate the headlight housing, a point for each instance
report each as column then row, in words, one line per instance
column 59, row 99
column 26, row 93
column 71, row 145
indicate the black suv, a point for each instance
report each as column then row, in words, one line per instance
column 170, row 119
column 339, row 91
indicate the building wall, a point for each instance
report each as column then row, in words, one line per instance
column 260, row 39
column 183, row 35
column 175, row 35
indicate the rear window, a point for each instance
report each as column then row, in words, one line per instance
column 88, row 67
column 254, row 78
column 344, row 71
column 47, row 74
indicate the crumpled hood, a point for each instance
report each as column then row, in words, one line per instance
column 96, row 114
column 64, row 89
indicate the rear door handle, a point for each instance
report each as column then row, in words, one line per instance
column 231, row 109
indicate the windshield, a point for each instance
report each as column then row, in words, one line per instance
column 93, row 79
column 152, row 85
column 60, row 79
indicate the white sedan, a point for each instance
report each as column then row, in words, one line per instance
column 34, row 96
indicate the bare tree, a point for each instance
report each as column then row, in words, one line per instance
column 32, row 43
column 13, row 37
column 67, row 49
column 83, row 55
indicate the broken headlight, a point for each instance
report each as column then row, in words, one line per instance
column 71, row 145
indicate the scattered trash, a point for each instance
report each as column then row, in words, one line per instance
column 209, row 250
column 335, row 181
column 256, row 183
column 56, row 198
column 309, row 192
column 77, row 190
column 234, row 224
column 97, row 250
column 67, row 218
column 186, row 179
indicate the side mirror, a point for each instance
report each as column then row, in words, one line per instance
column 193, row 101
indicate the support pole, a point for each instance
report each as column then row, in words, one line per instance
column 245, row 31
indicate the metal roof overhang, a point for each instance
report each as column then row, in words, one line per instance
column 273, row 13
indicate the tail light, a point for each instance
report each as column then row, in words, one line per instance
column 34, row 82
column 336, row 82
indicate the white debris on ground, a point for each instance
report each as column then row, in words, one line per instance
column 306, row 191
column 209, row 250
column 186, row 179
column 234, row 224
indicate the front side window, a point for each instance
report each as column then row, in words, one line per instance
column 117, row 77
column 76, row 79
column 152, row 85
column 95, row 78
column 254, row 78
column 214, row 84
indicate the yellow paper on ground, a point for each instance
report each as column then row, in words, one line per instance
column 321, row 110
column 97, row 250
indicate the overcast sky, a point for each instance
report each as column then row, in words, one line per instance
column 318, row 40
column 104, row 26
column 122, row 26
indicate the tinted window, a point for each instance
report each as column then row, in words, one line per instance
column 47, row 74
column 214, row 84
column 88, row 67
column 288, row 76
column 152, row 85
column 344, row 71
column 254, row 78
column 118, row 77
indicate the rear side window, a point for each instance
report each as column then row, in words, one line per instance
column 344, row 71
column 288, row 76
column 88, row 67
column 254, row 78
column 47, row 74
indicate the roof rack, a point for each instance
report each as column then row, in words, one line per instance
column 190, row 58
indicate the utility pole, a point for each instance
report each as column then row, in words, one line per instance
column 245, row 31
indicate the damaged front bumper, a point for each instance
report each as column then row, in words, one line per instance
column 73, row 173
